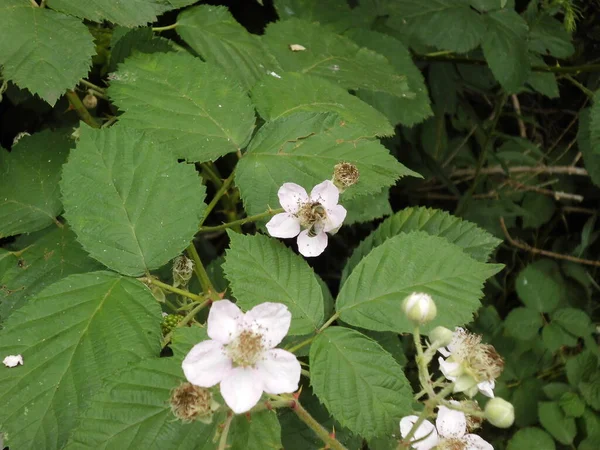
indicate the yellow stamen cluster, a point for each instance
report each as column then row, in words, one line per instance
column 246, row 349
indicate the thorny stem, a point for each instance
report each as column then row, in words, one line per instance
column 168, row 287
column 187, row 319
column 424, row 376
column 200, row 271
column 319, row 430
column 165, row 28
column 81, row 110
column 212, row 175
column 222, row 190
column 225, row 432
column 243, row 221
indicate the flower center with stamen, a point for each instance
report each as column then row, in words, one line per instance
column 246, row 349
column 451, row 444
column 312, row 215
column 485, row 362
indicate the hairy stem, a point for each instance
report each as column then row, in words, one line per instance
column 81, row 110
column 318, row 429
column 165, row 28
column 225, row 432
column 173, row 289
column 200, row 271
column 220, row 193
column 243, row 221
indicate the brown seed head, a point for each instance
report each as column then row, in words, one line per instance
column 190, row 402
column 345, row 174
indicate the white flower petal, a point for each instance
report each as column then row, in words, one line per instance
column 451, row 423
column 444, row 351
column 459, row 334
column 450, row 369
column 335, row 218
column 272, row 320
column 13, row 360
column 292, row 197
column 311, row 246
column 474, row 442
column 425, row 429
column 242, row 389
column 280, row 372
column 223, row 321
column 487, row 388
column 206, row 364
column 326, row 194
column 283, row 225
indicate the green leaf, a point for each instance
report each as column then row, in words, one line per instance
column 50, row 256
column 324, row 12
column 548, row 36
column 185, row 338
column 334, row 57
column 474, row 241
column 361, row 384
column 293, row 92
column 555, row 422
column 190, row 107
column 525, row 399
column 538, row 288
column 261, row 269
column 304, row 148
column 408, row 110
column 543, row 82
column 132, row 411
column 367, row 207
column 590, row 391
column 506, row 40
column 572, row 404
column 446, row 24
column 540, row 209
column 555, row 337
column 590, row 153
column 126, row 41
column 130, row 13
column 487, row 5
column 259, row 432
column 145, row 206
column 43, row 51
column 523, row 323
column 72, row 335
column 580, row 367
column 219, row 39
column 29, row 176
column 531, row 438
column 554, row 391
column 413, row 262
column 574, row 321
column 595, row 124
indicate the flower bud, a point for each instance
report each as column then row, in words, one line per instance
column 90, row 101
column 441, row 336
column 183, row 268
column 500, row 413
column 345, row 174
column 190, row 402
column 419, row 308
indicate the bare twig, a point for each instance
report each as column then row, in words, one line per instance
column 517, row 106
column 538, row 251
column 557, row 195
column 499, row 170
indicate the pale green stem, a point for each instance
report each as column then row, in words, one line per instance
column 222, row 190
column 318, row 429
column 168, row 287
column 165, row 28
column 205, row 282
column 225, row 432
column 243, row 221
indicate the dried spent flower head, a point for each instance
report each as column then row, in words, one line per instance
column 90, row 101
column 189, row 403
column 486, row 362
column 473, row 422
column 345, row 174
column 183, row 268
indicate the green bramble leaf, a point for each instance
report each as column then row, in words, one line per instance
column 293, row 92
column 572, row 404
column 29, row 175
column 219, row 39
column 38, row 261
column 42, row 50
column 506, row 40
column 547, row 36
column 130, row 13
column 543, row 82
column 529, row 438
column 474, row 241
column 132, row 411
column 523, row 323
column 554, row 420
column 407, row 263
column 192, row 108
column 184, row 338
column 72, row 336
column 261, row 269
column 540, row 286
column 324, row 12
column 361, row 385
column 408, row 110
column 580, row 367
column 540, row 209
column 367, row 207
column 304, row 148
column 590, row 150
column 126, row 41
column 446, row 24
column 555, row 337
column 574, row 321
column 595, row 124
column 146, row 207
column 334, row 57
column 590, row 391
column 258, row 433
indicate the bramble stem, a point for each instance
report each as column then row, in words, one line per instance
column 222, row 190
column 329, row 322
column 309, row 420
column 165, row 28
column 243, row 221
column 225, row 432
column 81, row 110
column 168, row 287
column 200, row 271
column 92, row 86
